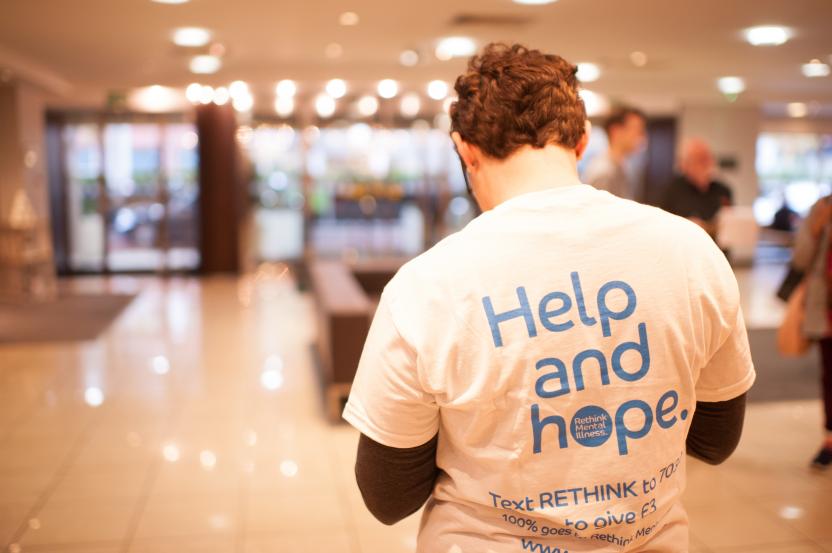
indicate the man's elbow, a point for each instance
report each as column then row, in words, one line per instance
column 712, row 456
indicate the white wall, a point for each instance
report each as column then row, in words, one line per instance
column 731, row 131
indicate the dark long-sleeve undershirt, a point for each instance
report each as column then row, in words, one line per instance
column 395, row 482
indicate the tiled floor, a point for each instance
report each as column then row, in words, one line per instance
column 194, row 425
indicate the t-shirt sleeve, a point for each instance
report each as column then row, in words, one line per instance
column 728, row 370
column 387, row 402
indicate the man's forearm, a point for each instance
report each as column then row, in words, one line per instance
column 716, row 429
column 394, row 482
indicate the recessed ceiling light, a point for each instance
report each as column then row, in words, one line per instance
column 333, row 50
column 639, row 59
column 191, row 37
column 325, row 105
column 797, row 109
column 206, row 94
column 192, row 93
column 238, row 88
column 286, row 88
column 368, row 106
column 455, row 47
column 815, row 68
column 588, row 72
column 284, row 105
column 336, row 88
column 205, row 64
column 731, row 85
column 243, row 102
column 155, row 99
column 534, row 2
column 437, row 90
column 221, row 96
column 409, row 58
column 767, row 35
column 387, row 88
column 594, row 103
column 171, row 1
column 411, row 104
column 348, row 19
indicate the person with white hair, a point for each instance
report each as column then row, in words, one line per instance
column 695, row 194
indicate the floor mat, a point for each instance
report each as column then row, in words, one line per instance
column 71, row 317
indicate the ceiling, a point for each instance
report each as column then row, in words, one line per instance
column 86, row 48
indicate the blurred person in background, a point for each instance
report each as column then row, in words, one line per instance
column 813, row 256
column 526, row 376
column 626, row 134
column 694, row 193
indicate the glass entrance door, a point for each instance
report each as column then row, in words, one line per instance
column 133, row 196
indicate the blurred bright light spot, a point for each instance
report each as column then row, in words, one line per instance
column 160, row 364
column 409, row 58
column 286, row 88
column 205, row 65
column 243, row 102
column 368, row 106
column 595, row 103
column 206, row 94
column 208, row 459
column 534, row 2
column 193, row 93
column 221, row 96
column 289, row 469
column 387, row 88
column 767, row 35
column 284, row 106
column 455, row 47
column 251, row 438
column 93, row 396
column 348, row 19
column 639, row 59
column 336, row 88
column 797, row 109
column 437, row 90
column 325, row 105
column 411, row 104
column 790, row 512
column 238, row 88
column 588, row 72
column 731, row 85
column 271, row 380
column 815, row 68
column 170, row 452
column 156, row 99
column 192, row 37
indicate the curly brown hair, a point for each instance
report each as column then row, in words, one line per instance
column 511, row 96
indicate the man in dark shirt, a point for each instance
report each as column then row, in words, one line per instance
column 694, row 194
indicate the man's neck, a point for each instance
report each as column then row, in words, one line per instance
column 528, row 170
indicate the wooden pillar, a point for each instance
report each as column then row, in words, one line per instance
column 222, row 191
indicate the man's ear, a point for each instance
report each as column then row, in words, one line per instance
column 584, row 141
column 469, row 154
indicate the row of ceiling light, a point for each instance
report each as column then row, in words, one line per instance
column 240, row 96
column 447, row 48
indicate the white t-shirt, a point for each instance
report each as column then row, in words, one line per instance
column 558, row 345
